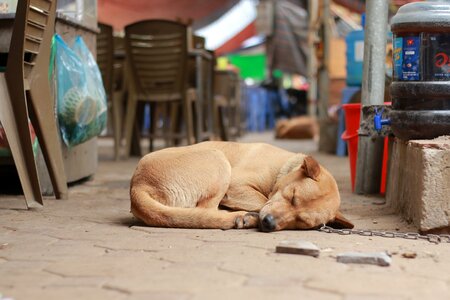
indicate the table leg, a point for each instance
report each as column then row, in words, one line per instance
column 200, row 100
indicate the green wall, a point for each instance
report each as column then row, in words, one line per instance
column 250, row 66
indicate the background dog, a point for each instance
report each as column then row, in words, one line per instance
column 234, row 185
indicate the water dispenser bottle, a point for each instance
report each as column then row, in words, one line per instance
column 421, row 70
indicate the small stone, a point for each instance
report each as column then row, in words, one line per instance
column 409, row 255
column 298, row 247
column 327, row 250
column 375, row 222
column 377, row 258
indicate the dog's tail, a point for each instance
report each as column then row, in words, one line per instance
column 154, row 213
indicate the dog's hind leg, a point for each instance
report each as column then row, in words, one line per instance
column 154, row 213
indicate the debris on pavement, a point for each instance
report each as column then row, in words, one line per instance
column 409, row 255
column 298, row 247
column 327, row 250
column 373, row 258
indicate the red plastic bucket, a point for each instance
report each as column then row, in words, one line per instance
column 352, row 118
column 350, row 135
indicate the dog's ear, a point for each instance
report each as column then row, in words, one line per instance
column 340, row 222
column 311, row 168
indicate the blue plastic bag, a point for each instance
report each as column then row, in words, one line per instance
column 81, row 97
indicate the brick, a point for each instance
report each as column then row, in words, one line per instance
column 377, row 258
column 298, row 247
column 419, row 182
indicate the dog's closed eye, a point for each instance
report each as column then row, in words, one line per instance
column 294, row 198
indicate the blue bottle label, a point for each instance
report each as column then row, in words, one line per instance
column 411, row 58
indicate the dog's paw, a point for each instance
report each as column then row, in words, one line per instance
column 248, row 220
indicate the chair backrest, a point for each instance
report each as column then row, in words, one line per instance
column 198, row 42
column 119, row 62
column 225, row 83
column 30, row 35
column 105, row 56
column 157, row 56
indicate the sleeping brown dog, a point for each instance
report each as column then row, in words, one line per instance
column 303, row 127
column 234, row 185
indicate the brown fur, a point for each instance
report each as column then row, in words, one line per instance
column 303, row 127
column 184, row 187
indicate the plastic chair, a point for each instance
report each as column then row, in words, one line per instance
column 25, row 82
column 157, row 67
column 105, row 60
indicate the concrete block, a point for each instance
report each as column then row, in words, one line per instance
column 377, row 258
column 419, row 182
column 298, row 247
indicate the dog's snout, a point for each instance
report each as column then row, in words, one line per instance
column 268, row 223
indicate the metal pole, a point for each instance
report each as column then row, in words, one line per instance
column 370, row 151
column 313, row 8
column 325, row 140
column 324, row 78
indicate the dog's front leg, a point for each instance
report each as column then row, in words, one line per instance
column 243, row 197
column 247, row 220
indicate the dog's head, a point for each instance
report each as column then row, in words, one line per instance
column 304, row 198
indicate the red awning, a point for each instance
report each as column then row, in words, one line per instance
column 120, row 13
column 236, row 42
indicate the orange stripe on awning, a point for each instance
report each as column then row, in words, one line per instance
column 236, row 42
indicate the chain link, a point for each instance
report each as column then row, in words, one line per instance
column 432, row 238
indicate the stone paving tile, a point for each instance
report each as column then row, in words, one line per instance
column 364, row 282
column 24, row 278
column 85, row 282
column 193, row 279
column 161, row 295
column 109, row 265
column 373, row 297
column 139, row 241
column 60, row 293
column 269, row 293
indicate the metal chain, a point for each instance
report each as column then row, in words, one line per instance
column 432, row 238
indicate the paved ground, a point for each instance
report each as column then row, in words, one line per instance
column 90, row 247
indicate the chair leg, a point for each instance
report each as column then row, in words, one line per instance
column 175, row 124
column 152, row 129
column 222, row 128
column 136, row 150
column 166, row 123
column 116, row 122
column 188, row 116
column 14, row 119
column 41, row 112
column 129, row 123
